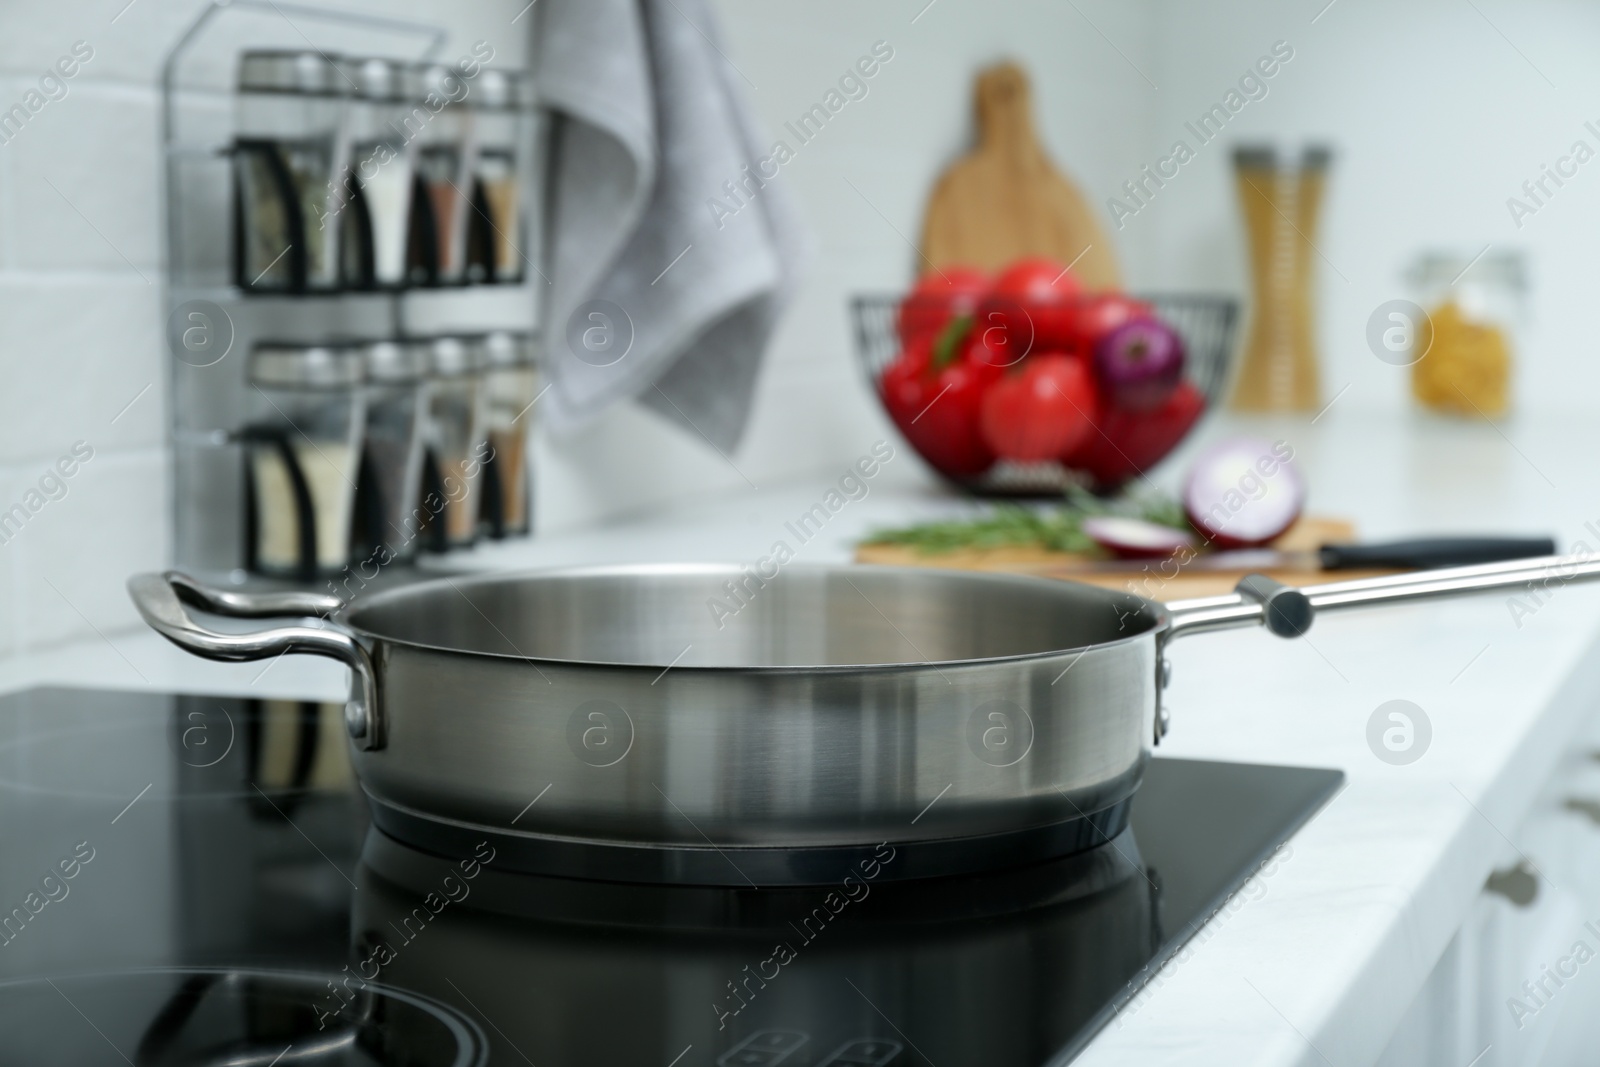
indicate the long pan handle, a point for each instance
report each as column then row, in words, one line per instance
column 160, row 598
column 1259, row 601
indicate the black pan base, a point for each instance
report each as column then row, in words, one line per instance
column 745, row 867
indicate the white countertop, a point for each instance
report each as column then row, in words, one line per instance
column 1327, row 958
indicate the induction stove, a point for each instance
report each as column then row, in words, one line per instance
column 194, row 880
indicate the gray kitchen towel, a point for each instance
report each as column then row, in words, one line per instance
column 671, row 250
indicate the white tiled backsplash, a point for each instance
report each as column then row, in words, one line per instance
column 81, row 338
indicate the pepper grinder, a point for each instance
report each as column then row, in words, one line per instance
column 1281, row 204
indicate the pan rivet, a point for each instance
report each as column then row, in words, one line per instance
column 1166, row 673
column 355, row 719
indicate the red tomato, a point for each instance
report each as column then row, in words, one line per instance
column 1128, row 443
column 1029, row 307
column 1096, row 316
column 939, row 296
column 937, row 410
column 1042, row 412
column 902, row 382
column 948, row 434
column 987, row 350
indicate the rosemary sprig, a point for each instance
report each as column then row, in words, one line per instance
column 1058, row 528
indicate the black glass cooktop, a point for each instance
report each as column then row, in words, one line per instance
column 192, row 880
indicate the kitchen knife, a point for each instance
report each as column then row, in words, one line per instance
column 1423, row 553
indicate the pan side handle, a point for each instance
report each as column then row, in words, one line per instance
column 161, row 599
column 1259, row 601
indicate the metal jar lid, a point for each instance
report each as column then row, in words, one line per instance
column 497, row 89
column 451, row 357
column 1314, row 157
column 289, row 366
column 504, row 349
column 373, row 79
column 1503, row 267
column 424, row 79
column 396, row 361
column 276, row 71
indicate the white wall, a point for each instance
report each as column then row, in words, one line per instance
column 1437, row 114
column 80, row 264
column 813, row 411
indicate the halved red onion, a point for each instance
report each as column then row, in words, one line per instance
column 1244, row 492
column 1135, row 538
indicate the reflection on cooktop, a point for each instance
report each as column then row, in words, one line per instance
column 228, row 902
column 211, row 745
column 886, row 964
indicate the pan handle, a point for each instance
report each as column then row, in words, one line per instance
column 160, row 598
column 1260, row 601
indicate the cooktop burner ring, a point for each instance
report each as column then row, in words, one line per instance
column 204, row 1001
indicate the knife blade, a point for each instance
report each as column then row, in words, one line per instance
column 1422, row 553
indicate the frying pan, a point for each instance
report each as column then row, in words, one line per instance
column 704, row 724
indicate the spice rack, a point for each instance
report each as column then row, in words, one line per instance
column 267, row 108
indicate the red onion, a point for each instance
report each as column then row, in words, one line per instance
column 1244, row 492
column 1135, row 538
column 1139, row 364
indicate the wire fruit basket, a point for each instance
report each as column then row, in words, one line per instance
column 1206, row 323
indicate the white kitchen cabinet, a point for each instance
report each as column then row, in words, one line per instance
column 1519, row 985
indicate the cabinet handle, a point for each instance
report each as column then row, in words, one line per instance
column 1519, row 884
column 1584, row 806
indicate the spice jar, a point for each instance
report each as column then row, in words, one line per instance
column 510, row 387
column 304, row 437
column 1282, row 203
column 1466, row 338
column 495, row 237
column 290, row 170
column 387, row 519
column 439, row 203
column 456, row 449
column 378, row 220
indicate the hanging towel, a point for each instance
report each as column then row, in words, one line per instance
column 665, row 281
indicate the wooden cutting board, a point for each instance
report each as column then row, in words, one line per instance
column 1005, row 199
column 1308, row 534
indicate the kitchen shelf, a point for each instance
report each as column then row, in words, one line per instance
column 208, row 399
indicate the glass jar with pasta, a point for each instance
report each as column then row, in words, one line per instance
column 1467, row 338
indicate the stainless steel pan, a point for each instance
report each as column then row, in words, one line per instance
column 702, row 724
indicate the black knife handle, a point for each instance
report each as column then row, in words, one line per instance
column 1425, row 553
